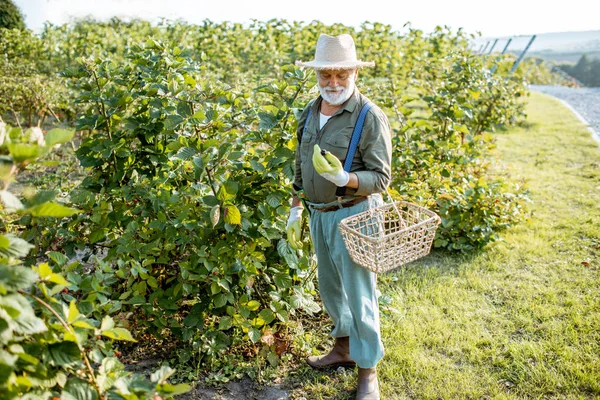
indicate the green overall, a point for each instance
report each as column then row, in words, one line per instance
column 347, row 290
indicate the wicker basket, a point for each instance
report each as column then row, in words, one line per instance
column 389, row 236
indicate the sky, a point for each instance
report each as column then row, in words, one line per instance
column 506, row 18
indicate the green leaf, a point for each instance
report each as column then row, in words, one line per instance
column 275, row 199
column 254, row 335
column 83, row 324
column 225, row 323
column 73, row 312
column 57, row 257
column 58, row 279
column 63, row 353
column 96, row 236
column 107, row 323
column 16, row 277
column 186, row 153
column 191, row 320
column 267, row 315
column 198, row 117
column 267, row 121
column 77, row 389
column 220, row 300
column 21, row 152
column 172, row 121
column 10, row 201
column 228, row 190
column 29, row 325
column 172, row 390
column 215, row 215
column 162, row 374
column 18, row 248
column 49, row 163
column 283, row 280
column 118, row 334
column 51, row 210
column 232, row 215
column 57, row 136
column 44, row 270
column 4, row 242
column 253, row 305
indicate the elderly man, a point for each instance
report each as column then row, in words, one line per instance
column 332, row 193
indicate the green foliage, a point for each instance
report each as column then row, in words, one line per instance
column 49, row 339
column 538, row 71
column 30, row 94
column 186, row 190
column 449, row 102
column 587, row 70
column 10, row 15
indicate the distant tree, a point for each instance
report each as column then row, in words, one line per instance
column 586, row 71
column 595, row 73
column 10, row 15
column 581, row 70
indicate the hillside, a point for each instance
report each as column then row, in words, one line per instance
column 557, row 46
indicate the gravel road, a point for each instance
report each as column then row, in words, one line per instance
column 586, row 101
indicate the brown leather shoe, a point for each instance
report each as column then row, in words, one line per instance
column 338, row 357
column 368, row 386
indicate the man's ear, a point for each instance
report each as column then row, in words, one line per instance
column 355, row 74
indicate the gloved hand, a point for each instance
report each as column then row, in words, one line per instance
column 294, row 226
column 329, row 167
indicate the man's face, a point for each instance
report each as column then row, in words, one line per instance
column 336, row 85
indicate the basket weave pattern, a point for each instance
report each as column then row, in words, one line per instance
column 386, row 237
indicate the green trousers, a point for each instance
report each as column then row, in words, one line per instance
column 347, row 290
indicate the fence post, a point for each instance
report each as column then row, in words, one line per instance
column 500, row 55
column 494, row 45
column 516, row 64
column 486, row 45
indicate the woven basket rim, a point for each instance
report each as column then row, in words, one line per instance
column 432, row 217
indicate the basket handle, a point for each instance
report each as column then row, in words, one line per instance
column 387, row 191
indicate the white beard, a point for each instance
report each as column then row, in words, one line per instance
column 336, row 98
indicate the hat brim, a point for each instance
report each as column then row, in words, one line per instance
column 335, row 65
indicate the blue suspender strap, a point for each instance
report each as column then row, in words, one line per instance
column 360, row 122
column 306, row 122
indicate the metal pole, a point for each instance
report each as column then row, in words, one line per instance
column 498, row 58
column 494, row 45
column 506, row 47
column 480, row 47
column 516, row 64
column 486, row 45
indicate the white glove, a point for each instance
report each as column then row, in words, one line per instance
column 294, row 226
column 329, row 167
column 340, row 179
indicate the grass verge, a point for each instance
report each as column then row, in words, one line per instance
column 519, row 319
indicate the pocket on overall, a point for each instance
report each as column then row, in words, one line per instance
column 338, row 143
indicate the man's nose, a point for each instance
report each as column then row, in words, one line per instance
column 334, row 81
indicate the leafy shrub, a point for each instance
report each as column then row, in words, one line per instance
column 53, row 345
column 10, row 15
column 29, row 94
column 448, row 108
column 187, row 193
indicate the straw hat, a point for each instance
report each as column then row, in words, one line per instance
column 335, row 52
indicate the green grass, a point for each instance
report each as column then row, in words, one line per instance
column 519, row 319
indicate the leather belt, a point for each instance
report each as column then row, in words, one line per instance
column 339, row 206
